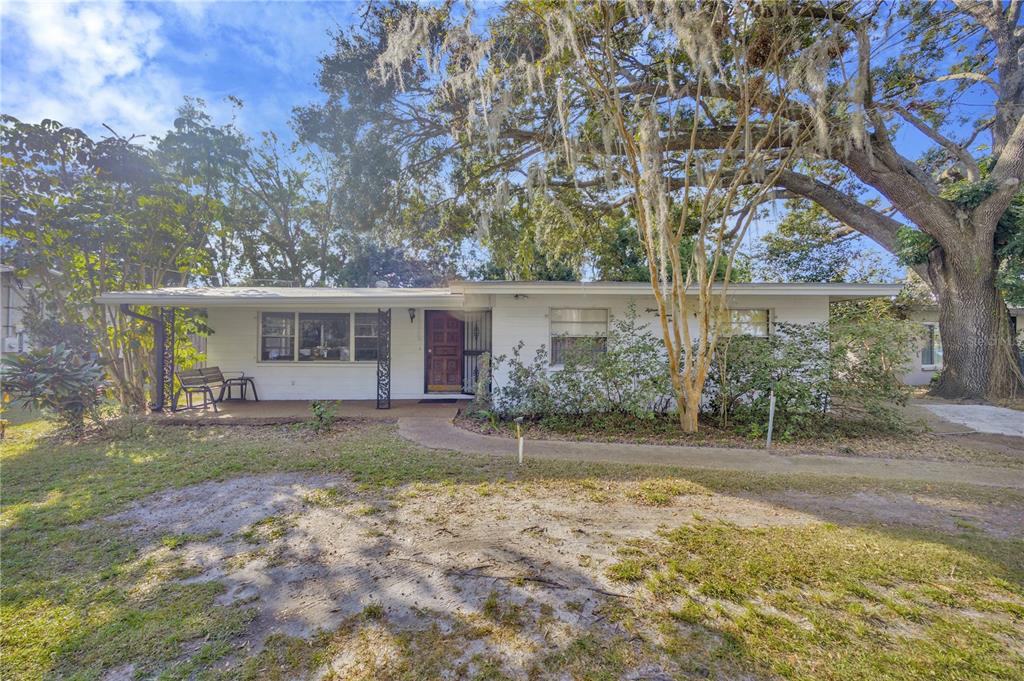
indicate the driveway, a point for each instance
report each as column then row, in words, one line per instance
column 982, row 418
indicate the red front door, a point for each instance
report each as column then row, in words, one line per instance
column 444, row 352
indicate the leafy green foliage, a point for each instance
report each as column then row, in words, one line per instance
column 625, row 373
column 324, row 414
column 913, row 246
column 793, row 362
column 852, row 367
column 57, row 381
column 810, row 245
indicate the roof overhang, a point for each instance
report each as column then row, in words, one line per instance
column 455, row 297
column 291, row 298
column 626, row 288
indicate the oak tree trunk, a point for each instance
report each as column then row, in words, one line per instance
column 981, row 360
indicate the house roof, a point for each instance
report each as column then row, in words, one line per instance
column 633, row 288
column 270, row 295
column 452, row 296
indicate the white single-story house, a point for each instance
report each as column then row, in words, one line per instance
column 421, row 343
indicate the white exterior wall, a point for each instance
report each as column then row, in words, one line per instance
column 234, row 344
column 234, row 347
column 526, row 318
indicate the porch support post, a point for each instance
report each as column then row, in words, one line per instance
column 383, row 358
column 159, row 352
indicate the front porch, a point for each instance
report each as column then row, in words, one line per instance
column 236, row 412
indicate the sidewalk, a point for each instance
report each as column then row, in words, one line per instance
column 437, row 433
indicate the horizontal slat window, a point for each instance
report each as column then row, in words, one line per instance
column 754, row 323
column 577, row 329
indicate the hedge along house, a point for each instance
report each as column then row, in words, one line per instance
column 421, row 343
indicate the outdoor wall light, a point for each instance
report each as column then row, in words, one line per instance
column 412, row 314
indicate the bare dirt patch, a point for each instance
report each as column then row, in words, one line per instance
column 504, row 574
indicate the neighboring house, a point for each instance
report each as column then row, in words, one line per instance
column 366, row 343
column 926, row 362
column 12, row 300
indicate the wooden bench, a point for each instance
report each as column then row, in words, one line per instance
column 204, row 381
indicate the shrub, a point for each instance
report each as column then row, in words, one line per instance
column 628, row 374
column 850, row 368
column 868, row 358
column 57, row 381
column 324, row 414
column 793, row 361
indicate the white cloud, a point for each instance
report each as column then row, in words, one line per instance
column 86, row 65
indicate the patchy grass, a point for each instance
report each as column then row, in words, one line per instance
column 828, row 602
column 81, row 598
column 266, row 529
column 661, row 492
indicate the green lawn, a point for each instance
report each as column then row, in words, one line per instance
column 809, row 602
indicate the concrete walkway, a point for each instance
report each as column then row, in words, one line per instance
column 438, row 433
column 983, row 418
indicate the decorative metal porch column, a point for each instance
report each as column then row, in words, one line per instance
column 383, row 358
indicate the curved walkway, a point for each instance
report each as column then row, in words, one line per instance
column 439, row 433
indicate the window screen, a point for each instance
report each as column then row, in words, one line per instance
column 323, row 336
column 366, row 337
column 277, row 340
column 747, row 323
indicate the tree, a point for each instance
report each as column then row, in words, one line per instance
column 563, row 95
column 86, row 217
column 810, row 245
column 872, row 80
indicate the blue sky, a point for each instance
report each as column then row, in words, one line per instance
column 129, row 65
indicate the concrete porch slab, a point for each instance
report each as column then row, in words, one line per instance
column 295, row 411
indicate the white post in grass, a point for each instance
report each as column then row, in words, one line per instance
column 519, row 437
column 771, row 417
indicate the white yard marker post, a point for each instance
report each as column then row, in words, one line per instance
column 519, row 436
column 771, row 417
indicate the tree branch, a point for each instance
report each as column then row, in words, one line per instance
column 970, row 75
column 848, row 210
column 966, row 161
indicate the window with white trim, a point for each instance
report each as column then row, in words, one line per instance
column 324, row 336
column 318, row 336
column 931, row 352
column 753, row 322
column 365, row 337
column 577, row 327
column 277, row 337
